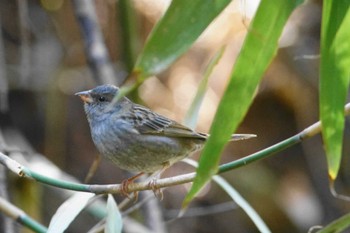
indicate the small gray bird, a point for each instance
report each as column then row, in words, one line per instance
column 134, row 137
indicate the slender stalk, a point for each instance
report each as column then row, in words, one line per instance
column 260, row 154
column 20, row 216
column 95, row 48
column 32, row 224
column 54, row 182
column 165, row 182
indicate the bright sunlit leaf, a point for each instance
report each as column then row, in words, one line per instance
column 182, row 24
column 114, row 222
column 335, row 77
column 259, row 48
column 68, row 211
column 192, row 114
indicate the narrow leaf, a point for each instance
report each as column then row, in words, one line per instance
column 253, row 215
column 338, row 225
column 192, row 114
column 181, row 25
column 238, row 199
column 259, row 48
column 114, row 221
column 68, row 211
column 335, row 77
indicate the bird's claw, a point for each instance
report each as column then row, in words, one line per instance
column 156, row 190
column 125, row 187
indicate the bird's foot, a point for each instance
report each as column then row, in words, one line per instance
column 153, row 183
column 125, row 187
column 156, row 190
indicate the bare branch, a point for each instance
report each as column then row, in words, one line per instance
column 165, row 182
column 95, row 47
column 11, row 164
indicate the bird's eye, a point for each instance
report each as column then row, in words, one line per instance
column 102, row 99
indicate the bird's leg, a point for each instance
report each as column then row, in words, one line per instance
column 125, row 185
column 92, row 169
column 153, row 182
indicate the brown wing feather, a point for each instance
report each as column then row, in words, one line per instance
column 147, row 122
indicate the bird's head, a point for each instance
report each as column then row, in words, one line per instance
column 98, row 102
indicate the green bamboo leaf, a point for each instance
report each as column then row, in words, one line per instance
column 114, row 220
column 68, row 211
column 129, row 32
column 337, row 226
column 259, row 48
column 181, row 25
column 335, row 77
column 192, row 114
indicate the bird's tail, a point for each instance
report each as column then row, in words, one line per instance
column 238, row 137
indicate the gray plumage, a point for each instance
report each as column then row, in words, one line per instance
column 134, row 137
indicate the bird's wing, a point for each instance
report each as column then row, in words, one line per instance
column 148, row 122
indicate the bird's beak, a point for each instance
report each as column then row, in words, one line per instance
column 85, row 96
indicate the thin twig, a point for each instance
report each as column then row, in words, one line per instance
column 95, row 47
column 11, row 164
column 6, row 223
column 165, row 182
column 19, row 215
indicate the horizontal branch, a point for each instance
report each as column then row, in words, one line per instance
column 165, row 182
